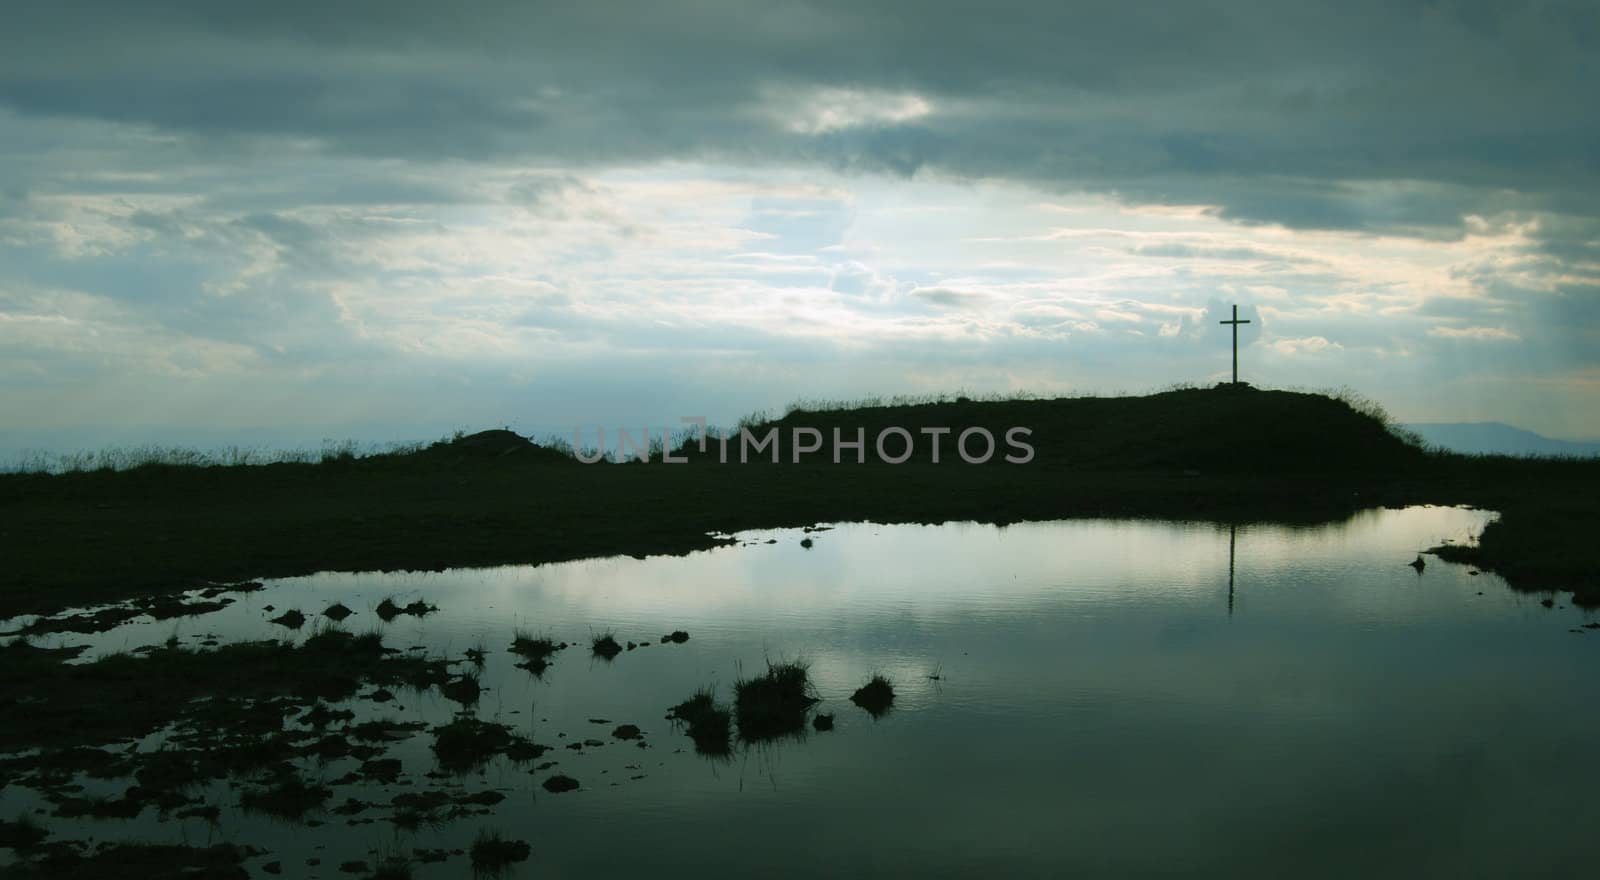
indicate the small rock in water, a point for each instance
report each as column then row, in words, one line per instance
column 626, row 731
column 876, row 696
column 337, row 611
column 1548, row 603
column 292, row 619
column 822, row 722
column 558, row 783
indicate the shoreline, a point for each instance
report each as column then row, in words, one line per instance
column 1221, row 455
column 66, row 553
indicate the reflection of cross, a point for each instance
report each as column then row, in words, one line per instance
column 1230, row 568
column 1235, row 322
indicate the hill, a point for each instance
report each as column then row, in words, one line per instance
column 1227, row 429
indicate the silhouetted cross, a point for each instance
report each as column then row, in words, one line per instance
column 1235, row 322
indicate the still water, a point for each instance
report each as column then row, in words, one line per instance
column 1085, row 698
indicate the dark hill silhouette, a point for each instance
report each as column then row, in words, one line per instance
column 1225, row 429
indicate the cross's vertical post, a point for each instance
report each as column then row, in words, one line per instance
column 1235, row 322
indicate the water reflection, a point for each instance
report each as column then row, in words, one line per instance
column 1069, row 698
column 1232, row 535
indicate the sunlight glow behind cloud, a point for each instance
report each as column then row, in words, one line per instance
column 199, row 235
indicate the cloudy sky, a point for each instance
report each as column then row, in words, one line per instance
column 385, row 219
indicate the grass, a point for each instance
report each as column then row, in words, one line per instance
column 876, row 696
column 493, row 853
column 535, row 650
column 127, row 458
column 605, row 645
column 709, row 723
column 525, row 644
column 774, row 703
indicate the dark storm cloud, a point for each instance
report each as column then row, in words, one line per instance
column 1275, row 111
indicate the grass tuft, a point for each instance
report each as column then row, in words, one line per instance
column 535, row 651
column 774, row 703
column 605, row 645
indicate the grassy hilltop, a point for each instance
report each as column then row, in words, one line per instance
column 1223, row 430
column 1227, row 453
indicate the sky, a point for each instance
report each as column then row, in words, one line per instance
column 280, row 222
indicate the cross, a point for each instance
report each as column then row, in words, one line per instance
column 1235, row 322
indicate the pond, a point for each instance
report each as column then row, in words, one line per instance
column 1107, row 698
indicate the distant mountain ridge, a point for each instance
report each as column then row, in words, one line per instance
column 1496, row 438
